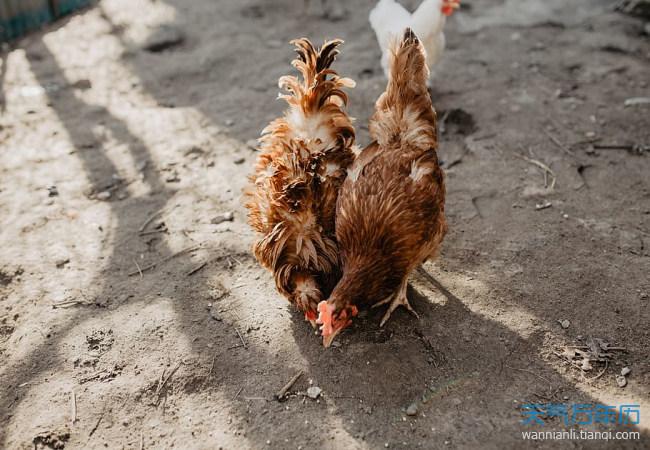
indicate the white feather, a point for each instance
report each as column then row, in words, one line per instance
column 389, row 19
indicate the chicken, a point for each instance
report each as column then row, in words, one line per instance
column 389, row 19
column 292, row 195
column 391, row 208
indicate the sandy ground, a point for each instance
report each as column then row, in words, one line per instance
column 101, row 128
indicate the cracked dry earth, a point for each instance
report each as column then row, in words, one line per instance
column 115, row 335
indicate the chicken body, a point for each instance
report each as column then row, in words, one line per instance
column 390, row 212
column 389, row 19
column 302, row 164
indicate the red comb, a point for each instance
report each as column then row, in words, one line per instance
column 325, row 317
column 448, row 7
column 310, row 315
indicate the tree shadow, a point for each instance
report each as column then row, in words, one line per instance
column 3, row 73
column 127, row 215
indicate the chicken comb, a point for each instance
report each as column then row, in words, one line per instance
column 449, row 6
column 325, row 311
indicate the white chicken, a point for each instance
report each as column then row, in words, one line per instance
column 389, row 19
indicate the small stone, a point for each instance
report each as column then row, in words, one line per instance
column 164, row 38
column 60, row 263
column 412, row 410
column 314, row 392
column 83, row 84
column 646, row 28
column 229, row 122
column 566, row 216
column 193, row 151
column 565, row 323
column 268, row 442
column 590, row 134
column 621, row 381
column 625, row 371
column 643, row 296
column 52, row 191
column 104, row 195
column 227, row 216
column 240, row 160
column 252, row 144
column 173, row 178
column 215, row 315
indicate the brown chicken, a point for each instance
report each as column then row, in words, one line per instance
column 303, row 162
column 390, row 212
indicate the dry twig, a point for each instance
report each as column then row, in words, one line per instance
column 73, row 406
column 240, row 337
column 138, row 267
column 162, row 230
column 280, row 395
column 197, row 268
column 529, row 371
column 101, row 416
column 207, row 378
column 541, row 165
column 162, row 385
column 557, row 142
column 164, row 260
column 149, row 220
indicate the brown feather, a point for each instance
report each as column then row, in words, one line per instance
column 303, row 160
column 390, row 211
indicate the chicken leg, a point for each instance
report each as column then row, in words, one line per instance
column 396, row 299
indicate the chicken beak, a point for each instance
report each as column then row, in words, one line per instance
column 327, row 340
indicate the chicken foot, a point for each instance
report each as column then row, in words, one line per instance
column 396, row 299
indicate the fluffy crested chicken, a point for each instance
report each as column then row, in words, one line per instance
column 390, row 212
column 389, row 19
column 302, row 163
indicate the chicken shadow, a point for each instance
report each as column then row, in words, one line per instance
column 413, row 377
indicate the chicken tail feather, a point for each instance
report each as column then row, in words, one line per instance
column 318, row 90
column 404, row 113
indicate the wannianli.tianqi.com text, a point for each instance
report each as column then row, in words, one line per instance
column 584, row 435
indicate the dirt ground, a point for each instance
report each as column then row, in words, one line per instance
column 138, row 107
